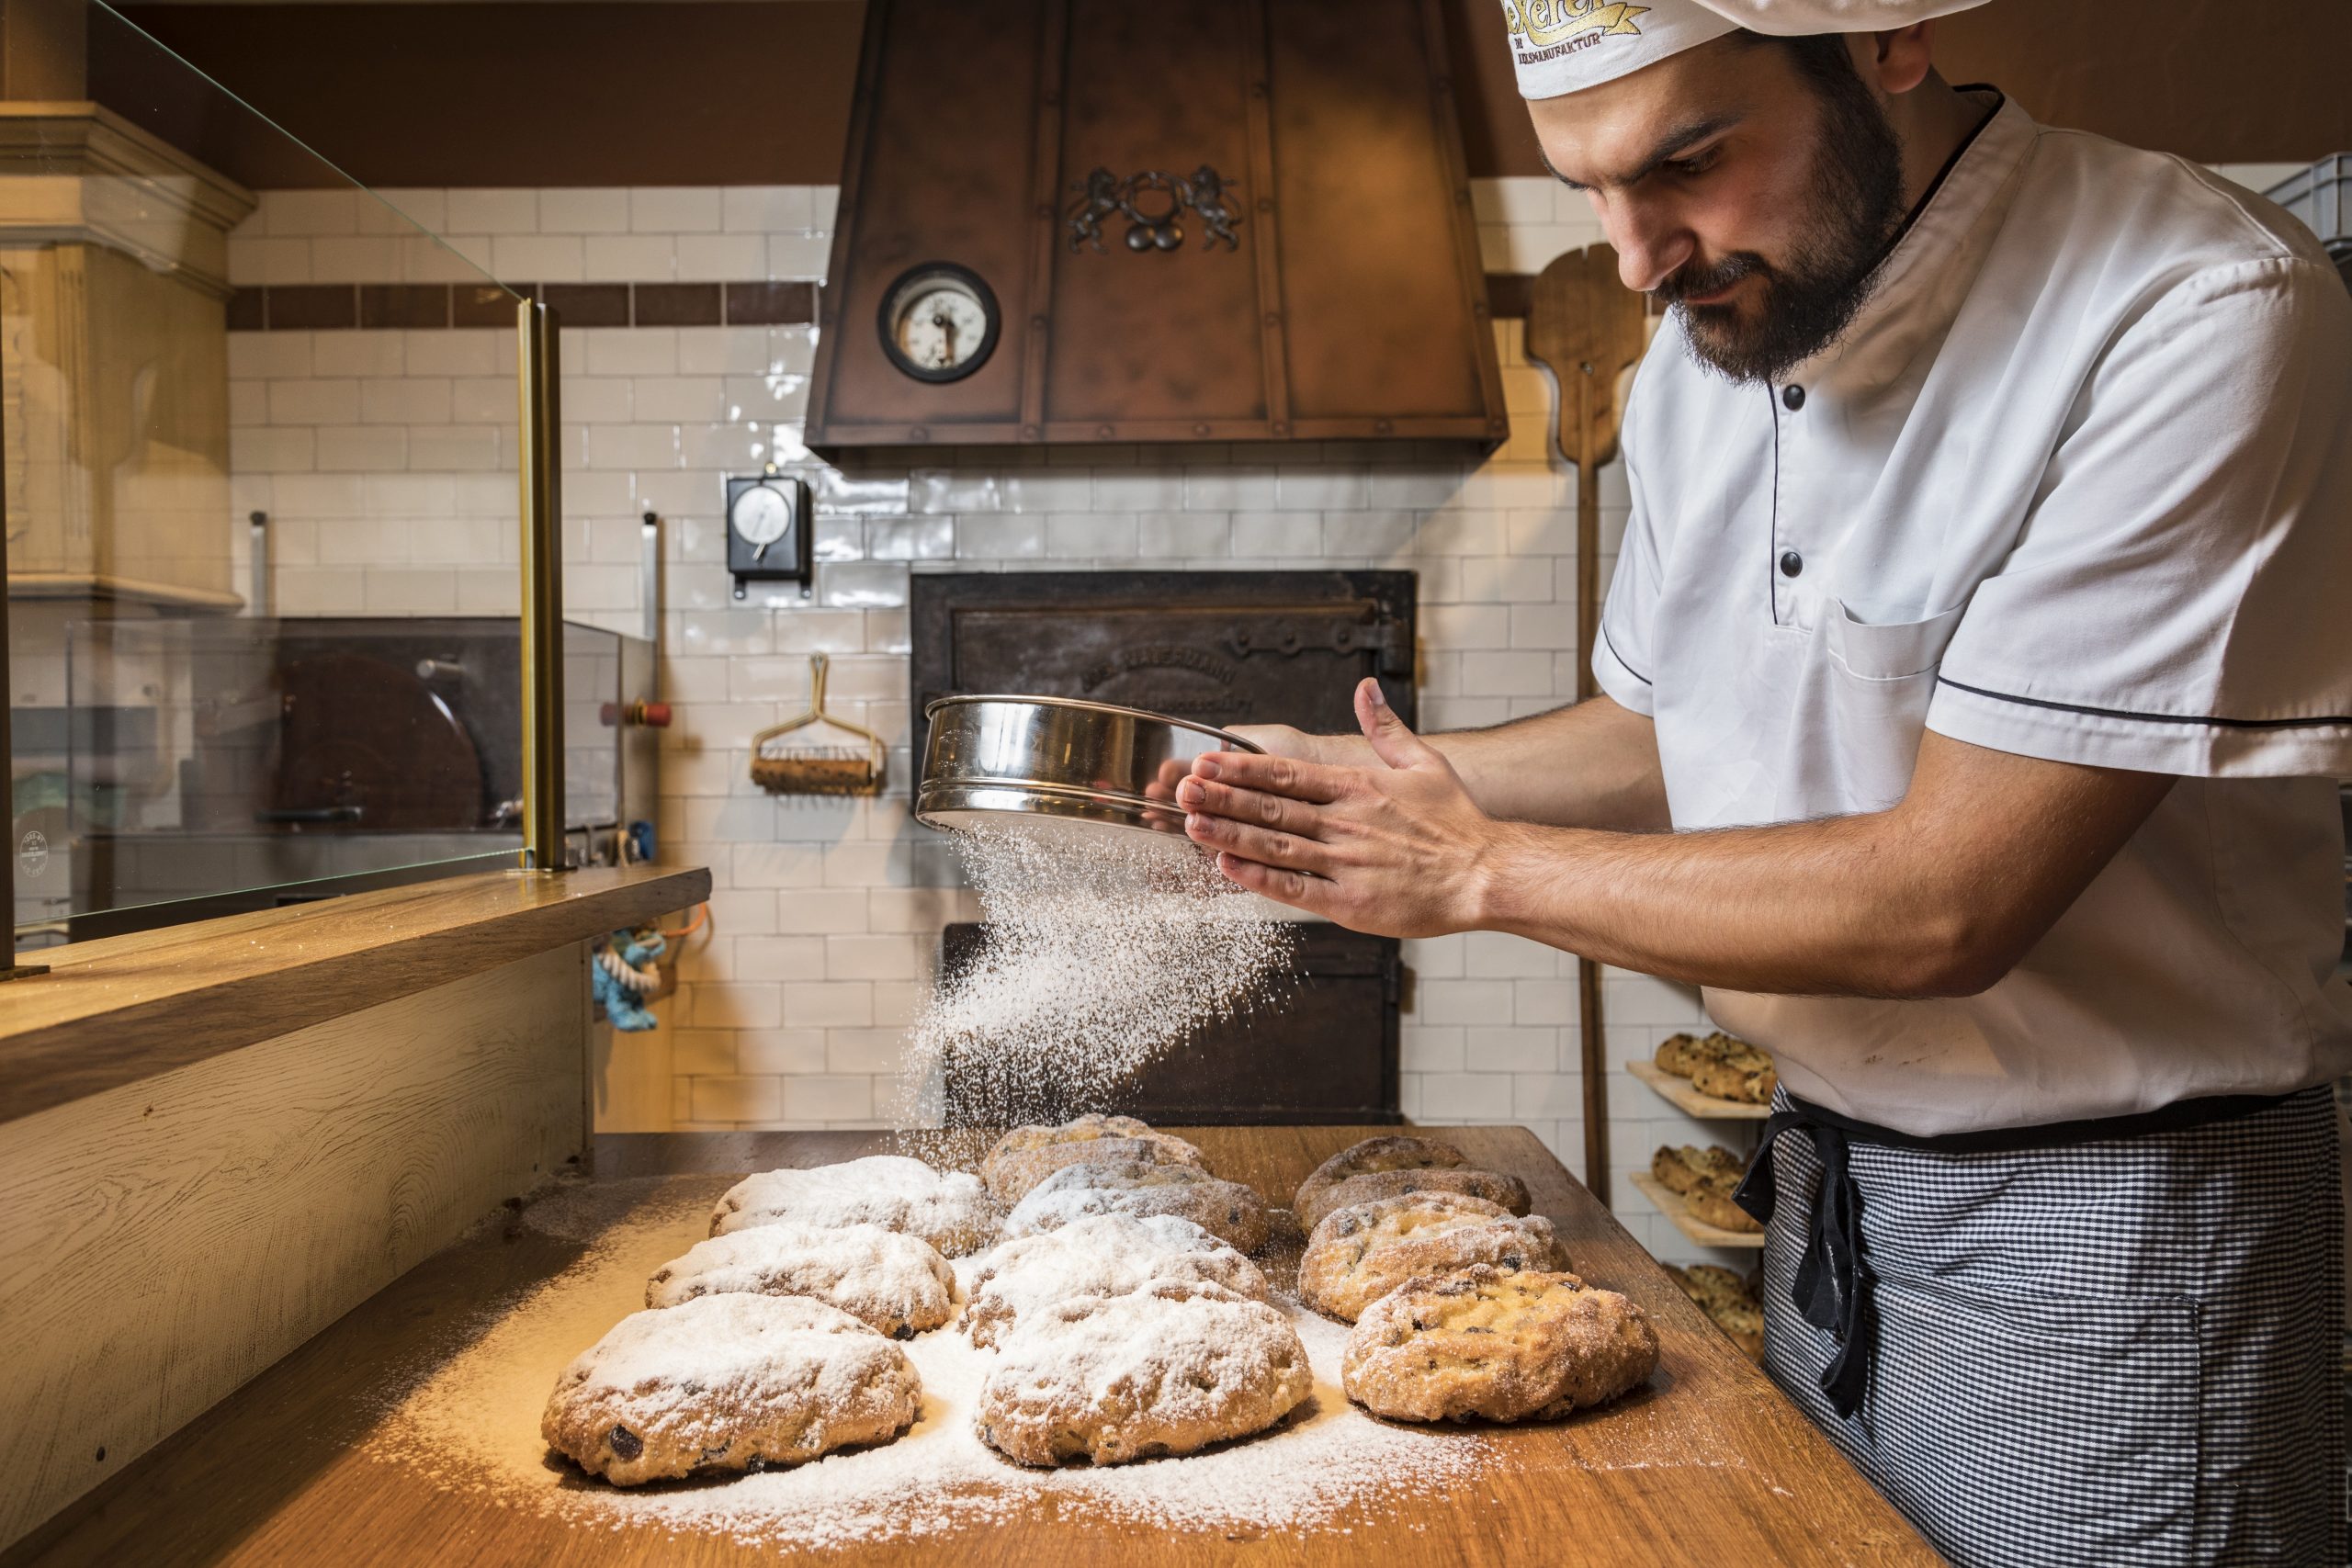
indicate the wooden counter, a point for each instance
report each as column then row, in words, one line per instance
column 1708, row 1465
column 125, row 1008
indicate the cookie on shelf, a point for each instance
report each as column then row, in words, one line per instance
column 1710, row 1202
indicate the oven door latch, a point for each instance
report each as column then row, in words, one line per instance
column 1384, row 638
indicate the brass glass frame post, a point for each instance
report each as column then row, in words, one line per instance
column 541, row 462
column 9, row 969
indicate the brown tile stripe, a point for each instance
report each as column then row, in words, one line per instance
column 409, row 305
column 318, row 307
column 313, row 307
column 771, row 304
column 588, row 304
column 678, row 305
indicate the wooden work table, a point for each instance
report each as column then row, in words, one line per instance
column 1708, row 1464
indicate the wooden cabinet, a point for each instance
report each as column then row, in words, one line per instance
column 1347, row 303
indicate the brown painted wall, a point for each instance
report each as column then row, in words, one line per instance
column 599, row 93
column 753, row 92
column 2220, row 81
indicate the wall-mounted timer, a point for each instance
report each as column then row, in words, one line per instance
column 769, row 530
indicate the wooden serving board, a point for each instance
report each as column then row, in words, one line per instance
column 1708, row 1463
column 1684, row 1096
column 1670, row 1203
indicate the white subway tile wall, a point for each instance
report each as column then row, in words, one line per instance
column 384, row 459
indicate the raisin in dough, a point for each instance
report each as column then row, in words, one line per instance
column 947, row 1209
column 1373, row 1186
column 1493, row 1344
column 1227, row 1210
column 1089, row 1128
column 1168, row 1370
column 897, row 1285
column 1360, row 1254
column 1101, row 1255
column 726, row 1381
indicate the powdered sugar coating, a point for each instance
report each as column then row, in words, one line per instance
column 1092, row 1127
column 1167, row 1370
column 897, row 1285
column 725, row 1381
column 1015, row 1174
column 948, row 1209
column 1227, row 1210
column 1101, row 1255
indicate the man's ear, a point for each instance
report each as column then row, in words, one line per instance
column 1901, row 59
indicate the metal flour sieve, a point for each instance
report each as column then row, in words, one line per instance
column 1061, row 765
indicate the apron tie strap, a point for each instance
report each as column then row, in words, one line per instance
column 1832, row 1289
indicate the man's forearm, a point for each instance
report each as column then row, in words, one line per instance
column 1804, row 908
column 1592, row 765
column 1941, row 894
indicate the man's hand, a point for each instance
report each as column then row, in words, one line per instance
column 1395, row 847
column 1282, row 740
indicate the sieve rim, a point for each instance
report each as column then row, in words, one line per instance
column 1234, row 742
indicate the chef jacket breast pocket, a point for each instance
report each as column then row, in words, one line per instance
column 1877, row 681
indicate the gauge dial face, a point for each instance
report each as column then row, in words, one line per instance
column 761, row 515
column 939, row 322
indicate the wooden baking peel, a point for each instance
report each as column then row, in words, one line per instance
column 1587, row 328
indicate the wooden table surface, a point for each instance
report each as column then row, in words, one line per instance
column 1710, row 1464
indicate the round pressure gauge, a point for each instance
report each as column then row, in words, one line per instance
column 939, row 321
column 760, row 516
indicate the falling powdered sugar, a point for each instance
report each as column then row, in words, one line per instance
column 1100, row 951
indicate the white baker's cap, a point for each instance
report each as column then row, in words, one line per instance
column 1563, row 46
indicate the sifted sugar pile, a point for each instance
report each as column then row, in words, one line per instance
column 472, row 1423
column 1102, row 951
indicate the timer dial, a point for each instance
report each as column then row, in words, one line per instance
column 939, row 321
column 761, row 515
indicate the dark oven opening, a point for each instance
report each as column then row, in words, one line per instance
column 1221, row 648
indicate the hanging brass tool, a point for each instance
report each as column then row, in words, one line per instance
column 819, row 770
column 1587, row 327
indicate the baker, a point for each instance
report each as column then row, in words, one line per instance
column 1980, row 632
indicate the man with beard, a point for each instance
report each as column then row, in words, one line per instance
column 1975, row 670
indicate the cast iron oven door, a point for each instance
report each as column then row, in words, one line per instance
column 1221, row 648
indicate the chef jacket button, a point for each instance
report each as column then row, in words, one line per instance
column 1791, row 563
column 1792, row 399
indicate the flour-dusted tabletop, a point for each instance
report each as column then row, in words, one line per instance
column 312, row 1462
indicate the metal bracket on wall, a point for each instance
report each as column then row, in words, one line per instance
column 1153, row 205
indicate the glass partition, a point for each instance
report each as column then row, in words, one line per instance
column 261, row 489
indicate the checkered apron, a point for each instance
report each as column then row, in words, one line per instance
column 2112, row 1352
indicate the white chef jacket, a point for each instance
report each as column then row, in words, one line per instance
column 2078, row 485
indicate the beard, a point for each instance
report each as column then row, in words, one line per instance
column 1804, row 304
